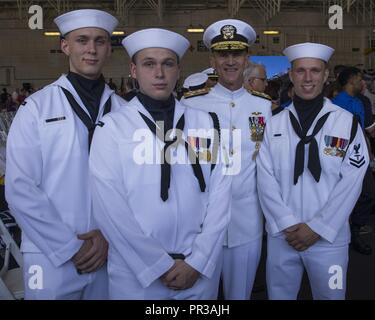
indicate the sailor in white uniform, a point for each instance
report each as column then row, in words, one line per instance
column 47, row 173
column 160, row 199
column 310, row 171
column 242, row 119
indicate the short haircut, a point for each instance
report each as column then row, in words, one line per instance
column 63, row 37
column 251, row 69
column 346, row 74
column 337, row 69
column 134, row 57
column 325, row 63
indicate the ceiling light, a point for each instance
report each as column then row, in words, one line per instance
column 118, row 33
column 195, row 30
column 52, row 34
column 271, row 32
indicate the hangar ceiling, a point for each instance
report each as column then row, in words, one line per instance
column 362, row 10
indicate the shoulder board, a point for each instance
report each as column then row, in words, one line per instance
column 260, row 94
column 195, row 93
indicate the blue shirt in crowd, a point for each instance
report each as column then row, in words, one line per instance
column 351, row 104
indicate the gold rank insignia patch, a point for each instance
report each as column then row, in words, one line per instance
column 335, row 146
column 201, row 147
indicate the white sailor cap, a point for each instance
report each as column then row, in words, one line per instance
column 211, row 73
column 195, row 81
column 85, row 18
column 229, row 34
column 155, row 38
column 309, row 50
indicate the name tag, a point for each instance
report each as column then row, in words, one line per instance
column 55, row 119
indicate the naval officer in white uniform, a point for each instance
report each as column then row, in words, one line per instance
column 310, row 171
column 47, row 172
column 242, row 118
column 159, row 198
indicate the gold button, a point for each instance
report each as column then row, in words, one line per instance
column 232, row 104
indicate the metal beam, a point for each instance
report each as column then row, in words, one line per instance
column 158, row 6
column 122, row 8
column 361, row 10
column 269, row 8
column 23, row 9
column 160, row 9
column 349, row 4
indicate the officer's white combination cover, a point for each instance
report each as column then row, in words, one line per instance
column 210, row 72
column 309, row 50
column 156, row 38
column 229, row 34
column 85, row 18
column 195, row 79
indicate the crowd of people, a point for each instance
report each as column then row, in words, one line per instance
column 11, row 101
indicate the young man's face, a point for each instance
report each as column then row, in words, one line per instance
column 230, row 65
column 157, row 71
column 87, row 49
column 308, row 76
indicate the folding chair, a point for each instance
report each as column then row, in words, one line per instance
column 11, row 280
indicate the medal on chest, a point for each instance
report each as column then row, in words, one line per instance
column 256, row 126
column 335, row 146
column 201, row 147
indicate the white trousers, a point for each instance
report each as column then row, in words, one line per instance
column 123, row 285
column 240, row 265
column 326, row 268
column 43, row 281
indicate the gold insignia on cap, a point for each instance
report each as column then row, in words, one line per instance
column 228, row 32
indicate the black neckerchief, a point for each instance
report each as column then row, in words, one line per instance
column 164, row 111
column 90, row 92
column 159, row 110
column 307, row 111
